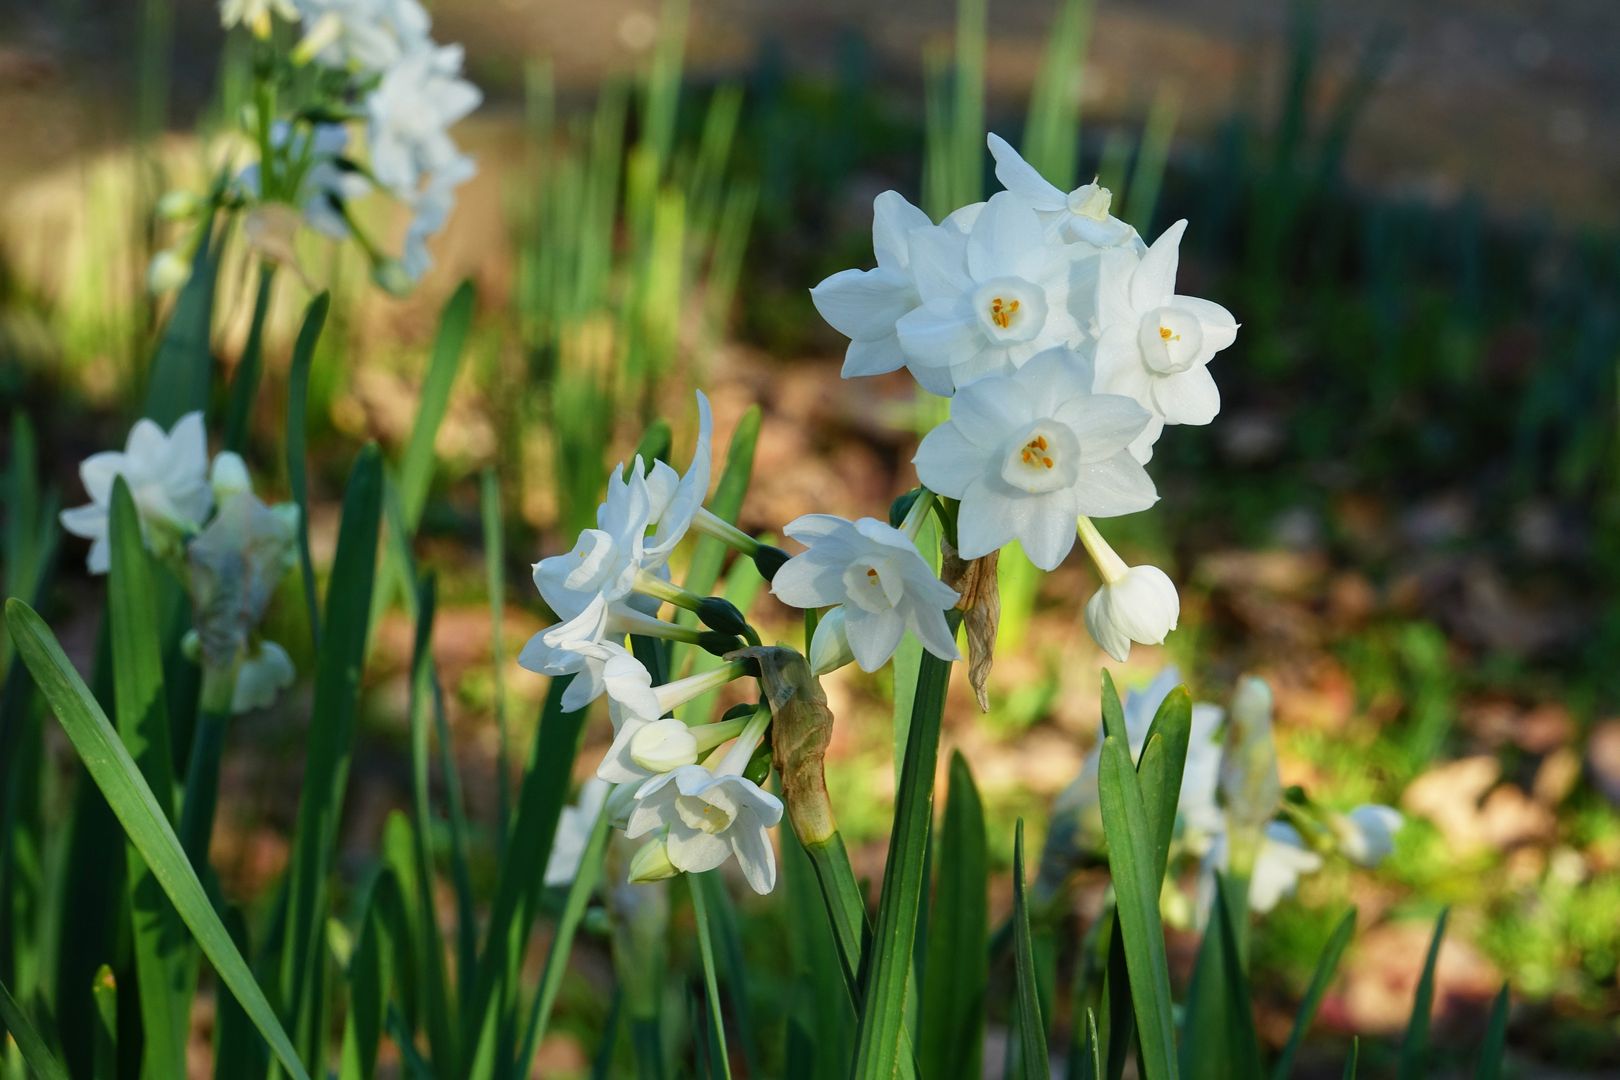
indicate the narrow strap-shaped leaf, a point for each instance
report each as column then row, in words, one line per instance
column 822, row 1011
column 120, row 781
column 1113, row 713
column 416, row 467
column 1326, row 966
column 522, row 874
column 732, row 967
column 1492, row 1050
column 1131, row 859
column 1415, row 1047
column 1353, row 1061
column 1031, row 1020
column 245, row 383
column 183, row 367
column 579, row 895
column 298, row 447
column 882, row 1023
column 331, row 730
column 715, row 1029
column 1118, row 1014
column 489, row 504
column 28, row 1040
column 161, row 962
column 1219, row 1040
column 370, row 977
column 1164, row 759
column 950, row 1039
column 1091, row 1063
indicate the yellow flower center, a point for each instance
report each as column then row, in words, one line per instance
column 1034, row 453
column 1002, row 311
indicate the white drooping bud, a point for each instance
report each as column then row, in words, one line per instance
column 663, row 745
column 228, row 476
column 167, row 271
column 1140, row 605
column 1366, row 835
column 829, row 645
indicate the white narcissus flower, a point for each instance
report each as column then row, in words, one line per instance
column 1153, row 345
column 232, row 569
column 575, row 648
column 1282, row 860
column 369, row 35
column 327, row 183
column 573, row 834
column 875, row 572
column 255, row 14
column 1030, row 452
column 1081, row 216
column 1139, row 605
column 167, row 474
column 409, row 115
column 262, row 675
column 864, row 305
column 1366, row 835
column 430, row 210
column 989, row 301
column 710, row 818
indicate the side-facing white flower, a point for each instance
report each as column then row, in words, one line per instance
column 1081, row 216
column 1366, row 835
column 1153, row 345
column 989, row 301
column 1134, row 603
column 875, row 572
column 262, row 675
column 1282, row 860
column 577, row 648
column 574, row 827
column 1030, row 452
column 369, row 35
column 430, row 210
column 409, row 115
column 255, row 14
column 864, row 305
column 710, row 817
column 167, row 476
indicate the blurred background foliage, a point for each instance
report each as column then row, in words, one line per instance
column 1405, row 518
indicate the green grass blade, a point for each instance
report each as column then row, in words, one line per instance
column 104, row 991
column 120, row 781
column 416, row 467
column 1031, row 1020
column 331, row 732
column 1052, row 130
column 517, row 889
column 1326, row 966
column 1131, row 858
column 298, row 446
column 883, row 1007
column 183, row 367
column 1354, row 1060
column 1218, row 1038
column 579, row 895
column 1415, row 1047
column 245, row 383
column 15, row 1022
column 951, row 1034
column 716, row 1028
column 1492, row 1051
column 370, row 976
column 161, row 962
column 1164, row 757
column 489, row 504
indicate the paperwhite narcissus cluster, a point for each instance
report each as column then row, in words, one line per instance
column 1065, row 350
column 1219, row 776
column 380, row 66
column 229, row 548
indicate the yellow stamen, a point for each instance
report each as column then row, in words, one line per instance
column 1002, row 311
column 1164, row 333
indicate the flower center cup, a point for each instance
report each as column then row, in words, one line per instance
column 1010, row 310
column 1091, row 201
column 1170, row 340
column 872, row 586
column 704, row 816
column 1044, row 458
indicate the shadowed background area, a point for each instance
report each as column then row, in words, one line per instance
column 1404, row 517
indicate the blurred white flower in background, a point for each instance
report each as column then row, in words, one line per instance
column 368, row 35
column 167, row 474
column 262, row 675
column 574, row 832
column 409, row 114
column 256, row 15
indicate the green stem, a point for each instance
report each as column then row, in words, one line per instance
column 245, row 385
column 202, row 771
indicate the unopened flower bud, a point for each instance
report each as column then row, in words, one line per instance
column 829, row 646
column 718, row 644
column 167, row 271
column 768, row 560
column 664, row 745
column 1140, row 605
column 651, row 863
column 261, row 676
column 323, row 32
column 721, row 614
column 1249, row 787
column 179, row 206
column 229, row 476
column 1366, row 835
column 391, row 276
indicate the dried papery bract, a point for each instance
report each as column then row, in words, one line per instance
column 801, row 728
column 980, row 604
